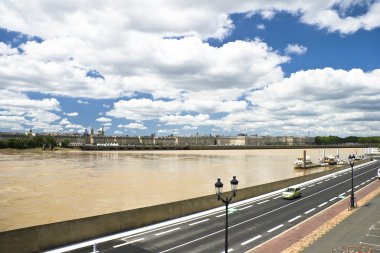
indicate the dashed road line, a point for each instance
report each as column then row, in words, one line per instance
column 119, row 245
column 263, row 202
column 322, row 204
column 229, row 250
column 245, row 207
column 295, row 218
column 333, row 199
column 168, row 231
column 275, row 228
column 251, row 240
column 201, row 221
column 310, row 211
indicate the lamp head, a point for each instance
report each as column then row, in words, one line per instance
column 234, row 184
column 351, row 159
column 218, row 187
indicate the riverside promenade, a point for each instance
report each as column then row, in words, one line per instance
column 335, row 229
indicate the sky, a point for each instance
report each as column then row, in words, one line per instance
column 169, row 67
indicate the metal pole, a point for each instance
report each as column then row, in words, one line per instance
column 352, row 187
column 226, row 240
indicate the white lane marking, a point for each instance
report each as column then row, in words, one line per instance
column 273, row 229
column 295, row 218
column 373, row 235
column 277, row 197
column 167, row 231
column 119, row 245
column 311, row 185
column 327, row 180
column 245, row 207
column 201, row 221
column 251, row 240
column 198, row 239
column 333, row 199
column 220, row 215
column 376, row 245
column 322, row 204
column 310, row 211
column 319, row 182
column 263, row 202
column 356, row 186
column 229, row 250
column 348, row 190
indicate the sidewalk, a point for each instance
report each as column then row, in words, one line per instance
column 334, row 227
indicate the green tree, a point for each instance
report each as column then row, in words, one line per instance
column 65, row 143
column 3, row 144
column 50, row 141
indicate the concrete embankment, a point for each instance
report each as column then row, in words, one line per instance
column 48, row 236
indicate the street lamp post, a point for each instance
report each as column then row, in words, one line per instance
column 226, row 201
column 351, row 159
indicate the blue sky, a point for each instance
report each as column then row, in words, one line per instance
column 215, row 67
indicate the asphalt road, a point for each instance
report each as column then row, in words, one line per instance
column 251, row 222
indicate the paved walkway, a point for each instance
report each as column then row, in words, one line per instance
column 334, row 227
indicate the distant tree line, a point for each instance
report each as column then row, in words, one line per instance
column 38, row 141
column 334, row 140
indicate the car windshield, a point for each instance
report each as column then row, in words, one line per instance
column 290, row 190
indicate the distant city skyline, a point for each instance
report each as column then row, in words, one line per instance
column 187, row 67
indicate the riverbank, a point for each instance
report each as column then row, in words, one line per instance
column 237, row 147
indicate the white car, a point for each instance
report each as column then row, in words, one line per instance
column 378, row 174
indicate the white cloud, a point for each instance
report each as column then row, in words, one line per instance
column 134, row 125
column 117, row 132
column 295, row 49
column 143, row 109
column 72, row 114
column 80, row 101
column 103, row 119
column 326, row 100
column 189, row 127
column 260, row 26
column 7, row 50
column 71, row 126
column 19, row 111
column 197, row 120
column 167, row 131
column 65, row 121
column 187, row 76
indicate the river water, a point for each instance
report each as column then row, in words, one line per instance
column 39, row 187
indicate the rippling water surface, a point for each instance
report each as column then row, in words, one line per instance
column 38, row 187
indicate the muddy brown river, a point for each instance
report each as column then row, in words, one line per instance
column 39, row 187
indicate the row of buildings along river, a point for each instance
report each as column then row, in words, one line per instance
column 99, row 139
